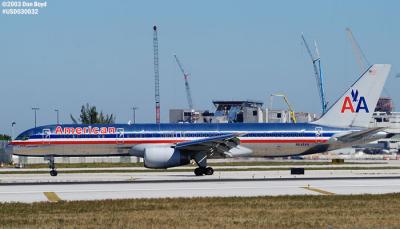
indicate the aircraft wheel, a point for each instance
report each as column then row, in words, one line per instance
column 53, row 173
column 198, row 172
column 209, row 171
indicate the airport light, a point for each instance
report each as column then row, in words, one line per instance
column 35, row 109
column 58, row 117
column 12, row 130
column 134, row 113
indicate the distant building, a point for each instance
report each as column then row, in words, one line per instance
column 384, row 119
column 277, row 116
column 238, row 111
column 303, row 117
column 283, row 116
column 385, row 104
column 190, row 116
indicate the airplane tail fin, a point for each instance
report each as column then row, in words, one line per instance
column 357, row 104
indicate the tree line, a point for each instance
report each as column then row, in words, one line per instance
column 5, row 137
column 90, row 115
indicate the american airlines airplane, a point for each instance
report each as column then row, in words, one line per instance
column 170, row 145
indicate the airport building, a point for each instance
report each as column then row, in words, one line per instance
column 232, row 111
column 283, row 116
column 237, row 111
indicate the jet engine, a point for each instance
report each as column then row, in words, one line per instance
column 164, row 157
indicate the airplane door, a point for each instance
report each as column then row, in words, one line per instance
column 46, row 136
column 120, row 135
column 318, row 134
column 178, row 136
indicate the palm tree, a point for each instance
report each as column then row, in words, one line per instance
column 89, row 115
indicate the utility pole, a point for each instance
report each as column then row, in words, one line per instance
column 134, row 113
column 35, row 109
column 58, row 119
column 156, row 74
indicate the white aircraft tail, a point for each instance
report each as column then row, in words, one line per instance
column 356, row 106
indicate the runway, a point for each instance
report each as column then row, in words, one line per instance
column 70, row 187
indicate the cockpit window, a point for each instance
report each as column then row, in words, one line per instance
column 25, row 135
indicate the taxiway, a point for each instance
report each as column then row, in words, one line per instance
column 95, row 186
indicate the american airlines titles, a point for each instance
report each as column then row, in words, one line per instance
column 85, row 130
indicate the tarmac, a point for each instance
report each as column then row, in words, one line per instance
column 349, row 163
column 30, row 188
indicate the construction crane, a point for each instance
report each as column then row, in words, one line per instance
column 316, row 61
column 360, row 56
column 156, row 74
column 186, row 78
column 290, row 108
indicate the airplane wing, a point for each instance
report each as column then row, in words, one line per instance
column 224, row 145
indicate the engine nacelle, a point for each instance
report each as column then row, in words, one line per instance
column 164, row 157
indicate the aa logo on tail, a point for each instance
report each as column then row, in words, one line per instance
column 354, row 102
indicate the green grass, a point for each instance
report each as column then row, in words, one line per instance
column 350, row 211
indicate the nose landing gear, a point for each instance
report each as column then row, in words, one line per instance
column 53, row 172
column 52, row 166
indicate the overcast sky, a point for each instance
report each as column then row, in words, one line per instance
column 101, row 52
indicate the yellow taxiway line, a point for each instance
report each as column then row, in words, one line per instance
column 318, row 190
column 52, row 196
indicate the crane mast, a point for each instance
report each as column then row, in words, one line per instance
column 156, row 74
column 187, row 87
column 360, row 56
column 316, row 61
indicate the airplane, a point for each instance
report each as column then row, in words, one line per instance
column 169, row 145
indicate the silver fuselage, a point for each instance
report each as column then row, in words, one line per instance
column 264, row 139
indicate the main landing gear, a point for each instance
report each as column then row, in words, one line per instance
column 52, row 166
column 200, row 171
column 201, row 160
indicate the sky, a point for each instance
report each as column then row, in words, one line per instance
column 101, row 52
